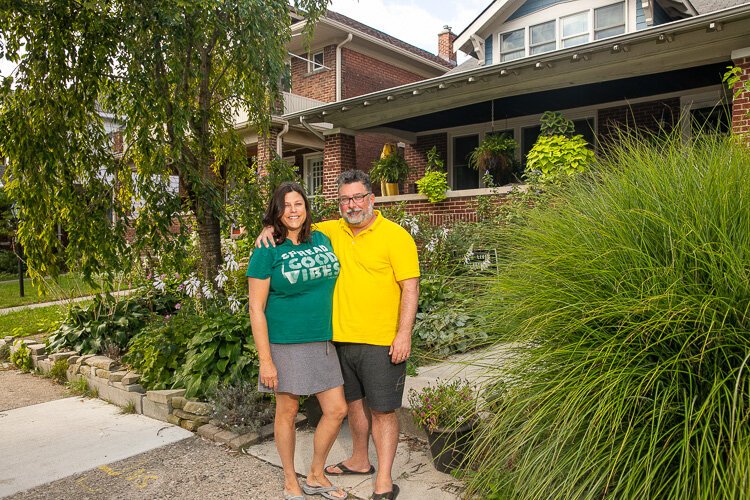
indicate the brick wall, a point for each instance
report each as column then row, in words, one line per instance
column 320, row 85
column 741, row 104
column 362, row 74
column 267, row 147
column 462, row 208
column 339, row 155
column 445, row 45
column 652, row 117
column 416, row 156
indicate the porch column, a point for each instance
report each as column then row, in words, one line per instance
column 741, row 103
column 267, row 148
column 339, row 154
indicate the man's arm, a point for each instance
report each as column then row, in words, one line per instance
column 401, row 347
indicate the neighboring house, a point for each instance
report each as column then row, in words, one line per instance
column 604, row 64
column 345, row 59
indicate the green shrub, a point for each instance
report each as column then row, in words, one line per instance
column 217, row 352
column 553, row 158
column 88, row 328
column 159, row 349
column 239, row 407
column 21, row 357
column 434, row 184
column 628, row 303
column 8, row 263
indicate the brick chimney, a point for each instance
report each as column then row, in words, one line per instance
column 445, row 44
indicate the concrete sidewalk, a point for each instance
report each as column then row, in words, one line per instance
column 50, row 441
column 413, row 469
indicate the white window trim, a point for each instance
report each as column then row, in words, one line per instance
column 307, row 159
column 311, row 64
column 556, row 12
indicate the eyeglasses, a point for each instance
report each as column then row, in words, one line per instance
column 357, row 198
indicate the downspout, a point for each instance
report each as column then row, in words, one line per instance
column 338, row 65
column 279, row 142
column 314, row 132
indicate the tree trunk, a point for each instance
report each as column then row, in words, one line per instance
column 209, row 237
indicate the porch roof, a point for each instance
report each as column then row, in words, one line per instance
column 669, row 53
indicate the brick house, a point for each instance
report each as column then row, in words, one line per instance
column 345, row 59
column 602, row 63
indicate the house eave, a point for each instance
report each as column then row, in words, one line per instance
column 657, row 47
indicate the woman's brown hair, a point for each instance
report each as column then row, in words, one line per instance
column 276, row 209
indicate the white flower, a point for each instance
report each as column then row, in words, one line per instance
column 430, row 246
column 469, row 254
column 230, row 263
column 486, row 262
column 192, row 285
column 159, row 284
column 221, row 278
column 444, row 232
column 207, row 292
column 234, row 304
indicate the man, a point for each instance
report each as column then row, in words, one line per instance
column 374, row 307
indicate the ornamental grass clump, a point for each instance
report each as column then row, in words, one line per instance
column 629, row 301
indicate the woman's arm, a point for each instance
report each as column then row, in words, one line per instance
column 258, row 289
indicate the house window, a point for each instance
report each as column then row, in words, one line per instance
column 512, row 45
column 609, row 21
column 542, row 38
column 488, row 50
column 574, row 29
column 314, row 174
column 464, row 177
column 316, row 62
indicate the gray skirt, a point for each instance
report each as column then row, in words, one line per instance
column 305, row 369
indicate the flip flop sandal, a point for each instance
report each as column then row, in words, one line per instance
column 324, row 491
column 346, row 471
column 391, row 495
column 289, row 496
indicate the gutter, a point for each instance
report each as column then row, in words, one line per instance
column 279, row 142
column 348, row 39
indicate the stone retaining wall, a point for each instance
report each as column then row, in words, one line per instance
column 119, row 386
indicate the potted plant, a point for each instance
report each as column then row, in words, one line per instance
column 434, row 184
column 447, row 411
column 389, row 169
column 494, row 154
column 557, row 154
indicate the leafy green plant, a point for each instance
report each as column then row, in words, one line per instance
column 158, row 351
column 59, row 371
column 494, row 152
column 554, row 123
column 4, row 351
column 239, row 407
column 107, row 320
column 21, row 357
column 625, row 309
column 390, row 168
column 434, row 184
column 444, row 405
column 217, row 352
column 554, row 158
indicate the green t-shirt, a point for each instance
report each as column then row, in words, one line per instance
column 300, row 299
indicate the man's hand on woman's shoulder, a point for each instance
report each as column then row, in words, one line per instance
column 265, row 238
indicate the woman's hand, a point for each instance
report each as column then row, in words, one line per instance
column 265, row 238
column 268, row 375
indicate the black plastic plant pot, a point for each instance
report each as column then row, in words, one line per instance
column 449, row 447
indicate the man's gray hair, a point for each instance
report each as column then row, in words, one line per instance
column 352, row 176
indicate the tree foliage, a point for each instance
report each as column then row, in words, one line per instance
column 171, row 76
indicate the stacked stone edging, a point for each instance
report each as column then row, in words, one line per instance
column 121, row 387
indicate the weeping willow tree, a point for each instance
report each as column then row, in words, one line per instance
column 170, row 75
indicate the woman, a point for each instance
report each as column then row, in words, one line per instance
column 291, row 293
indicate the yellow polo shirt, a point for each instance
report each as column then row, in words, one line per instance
column 367, row 296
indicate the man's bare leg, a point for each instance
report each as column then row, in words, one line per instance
column 359, row 425
column 385, row 435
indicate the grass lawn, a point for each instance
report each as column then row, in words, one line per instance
column 67, row 286
column 32, row 321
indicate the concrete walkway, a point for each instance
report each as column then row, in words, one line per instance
column 49, row 441
column 37, row 305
